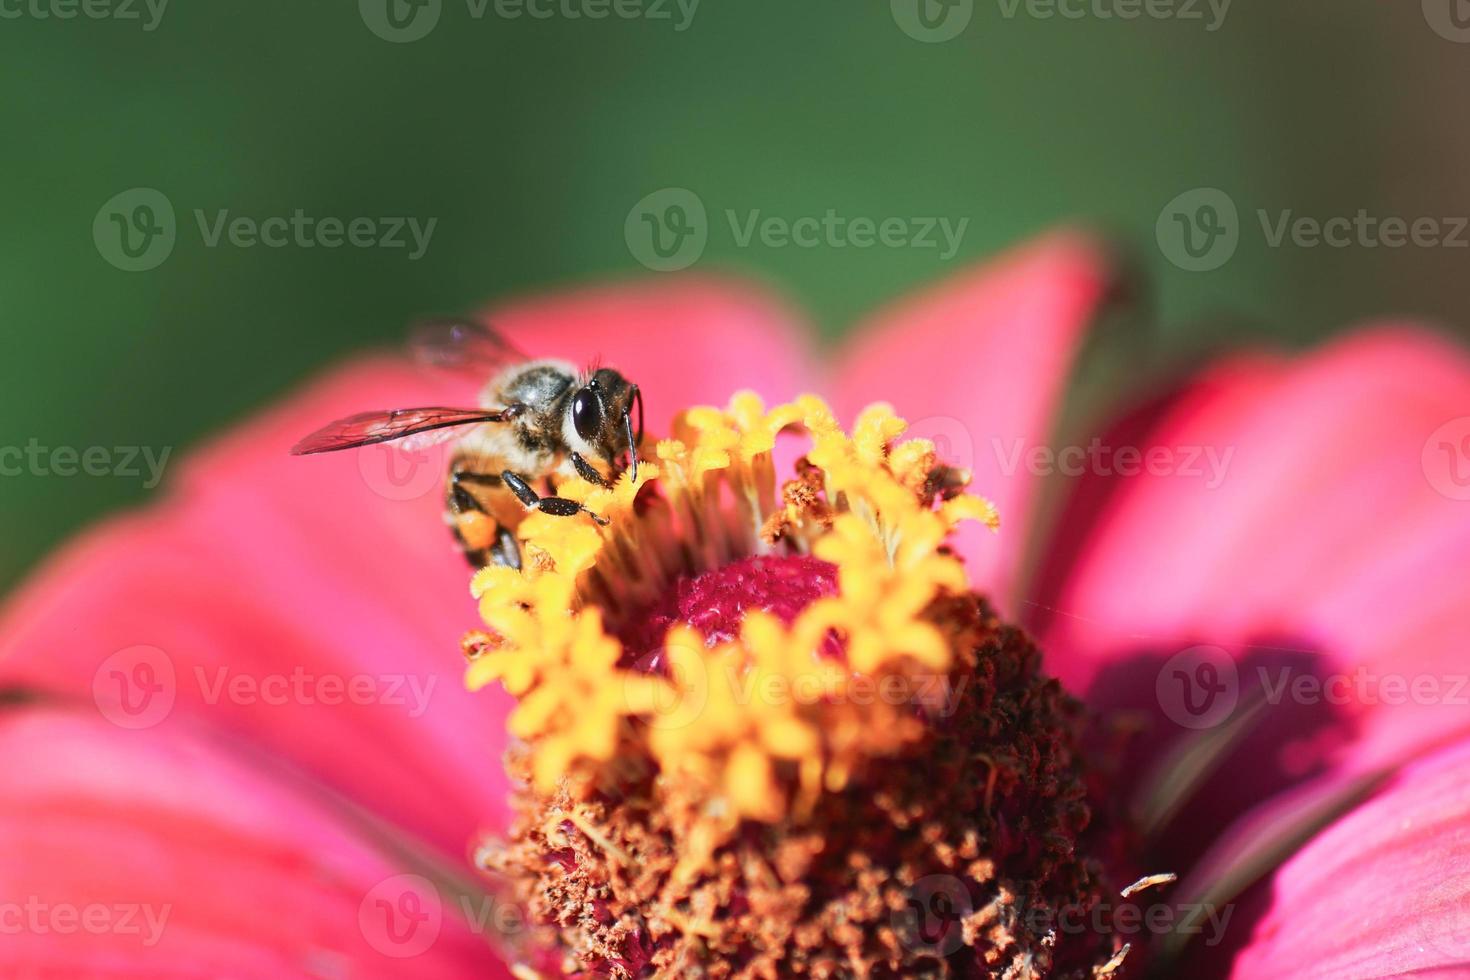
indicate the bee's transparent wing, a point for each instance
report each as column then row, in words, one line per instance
column 418, row 427
column 460, row 343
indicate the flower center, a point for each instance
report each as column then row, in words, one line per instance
column 767, row 726
column 716, row 603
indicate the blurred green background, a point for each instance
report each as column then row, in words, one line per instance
column 531, row 139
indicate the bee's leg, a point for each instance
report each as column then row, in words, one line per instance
column 556, row 506
column 588, row 472
column 504, row 551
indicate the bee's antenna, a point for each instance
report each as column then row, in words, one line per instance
column 633, row 443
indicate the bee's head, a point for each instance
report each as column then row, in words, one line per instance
column 601, row 416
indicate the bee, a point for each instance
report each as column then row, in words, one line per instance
column 540, row 422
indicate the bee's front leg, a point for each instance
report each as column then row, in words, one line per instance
column 589, row 472
column 555, row 506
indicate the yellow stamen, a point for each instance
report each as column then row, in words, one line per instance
column 765, row 723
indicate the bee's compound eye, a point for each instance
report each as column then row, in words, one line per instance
column 587, row 414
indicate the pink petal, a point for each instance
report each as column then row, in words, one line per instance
column 265, row 576
column 1384, row 891
column 1323, row 489
column 263, row 589
column 1326, row 554
column 152, row 853
column 980, row 365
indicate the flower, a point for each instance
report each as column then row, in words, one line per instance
column 770, row 790
column 233, row 716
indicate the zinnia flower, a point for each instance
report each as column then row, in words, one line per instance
column 241, row 741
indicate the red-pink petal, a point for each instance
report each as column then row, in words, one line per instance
column 1326, row 554
column 290, row 601
column 154, row 853
column 270, row 572
column 1384, row 891
column 979, row 364
column 1323, row 491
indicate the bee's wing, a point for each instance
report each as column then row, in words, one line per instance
column 456, row 342
column 421, row 426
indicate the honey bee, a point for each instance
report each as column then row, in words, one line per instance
column 540, row 422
